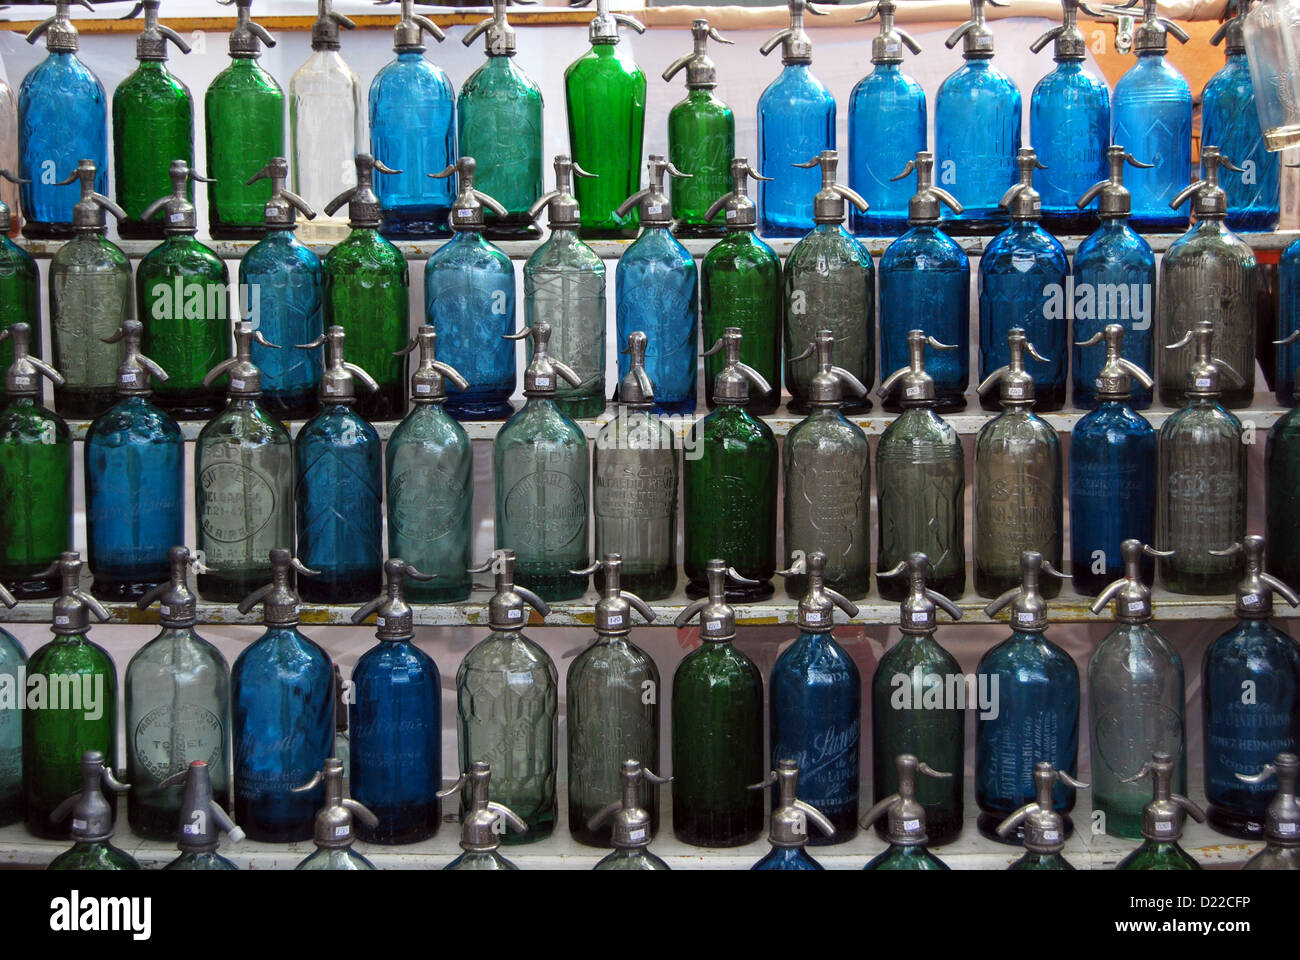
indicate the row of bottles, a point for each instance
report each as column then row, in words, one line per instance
column 273, row 715
column 498, row 119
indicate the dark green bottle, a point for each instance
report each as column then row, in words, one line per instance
column 1044, row 827
column 740, row 286
column 701, row 140
column 183, row 300
column 717, row 729
column 153, row 124
column 35, row 478
column 91, row 815
column 55, row 736
column 1282, row 487
column 243, row 116
column 367, row 293
column 1162, row 821
column 20, row 293
column 905, row 827
column 910, row 712
column 729, row 491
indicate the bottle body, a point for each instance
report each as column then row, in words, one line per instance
column 339, row 490
column 564, row 285
column 1230, row 121
column 729, row 501
column 1158, row 855
column 634, row 502
column 12, row 659
column 1250, row 679
column 177, row 711
column 1288, row 319
column 469, row 299
column 910, row 715
column 1019, row 272
column 9, row 192
column 899, row 857
column 243, row 499
column 655, row 287
column 830, row 284
column 1028, row 713
column 542, row 474
column 796, row 122
column 1282, row 483
column 210, row 860
column 135, row 497
column 887, row 128
column 925, row 284
column 507, row 692
column 976, row 135
column 613, row 715
column 1114, row 277
column 100, row 855
column 921, row 498
column 90, row 297
column 367, row 293
column 1112, row 461
column 816, row 720
column 183, row 300
column 20, row 294
column 62, row 119
column 282, row 729
column 153, row 124
column 1152, row 117
column 637, row 859
column 281, row 291
column 701, row 142
column 55, row 737
column 827, row 467
column 717, row 731
column 740, row 286
column 1208, row 257
column 787, row 858
column 1018, row 504
column 413, row 129
column 480, row 860
column 243, row 115
column 1135, row 704
column 36, row 491
column 1069, row 126
column 430, row 475
column 395, row 726
column 499, row 124
column 1201, row 502
column 604, row 92
column 328, row 126
column 326, row 859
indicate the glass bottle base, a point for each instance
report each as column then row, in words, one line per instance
column 445, row 592
column 944, row 403
column 1070, row 223
column 386, row 403
column 987, row 824
column 127, row 591
column 33, row 588
column 341, row 587
column 846, row 828
column 539, row 830
column 484, row 409
column 736, row 592
column 513, row 228
column 232, row 587
column 552, row 587
column 425, row 224
column 698, row 231
column 11, row 811
column 855, row 586
column 236, row 231
column 1158, row 224
column 977, row 225
column 83, row 404
column 1196, row 584
column 648, row 586
column 291, row 406
column 34, row 230
column 991, row 586
column 581, row 408
column 675, row 408
column 397, row 826
column 868, row 226
column 849, row 407
column 190, row 404
column 157, row 823
column 140, row 229
column 1253, row 221
column 1234, row 823
column 760, row 406
column 1238, row 399
column 896, row 588
column 607, row 233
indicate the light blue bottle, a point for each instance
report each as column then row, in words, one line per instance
column 281, row 293
column 12, row 658
column 1028, row 708
column 413, row 127
column 62, row 120
column 1230, row 120
column 1114, row 278
column 796, row 120
column 977, row 129
column 469, row 299
column 925, row 277
column 1151, row 115
column 339, row 486
column 1069, row 125
column 1112, row 462
column 1021, row 268
column 396, row 721
column 1288, row 323
column 788, row 832
column 655, row 286
column 429, row 468
column 887, row 128
column 135, row 482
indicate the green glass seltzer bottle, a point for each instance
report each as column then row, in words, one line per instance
column 20, row 293
column 905, row 825
column 484, row 823
column 1044, row 828
column 1162, row 821
column 1281, row 819
column 91, row 816
column 333, row 828
column 631, row 827
column 153, row 124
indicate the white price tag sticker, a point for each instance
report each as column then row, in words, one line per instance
column 380, row 621
column 1164, row 826
column 61, row 620
column 637, row 835
column 514, row 614
column 423, row 388
column 913, row 391
column 1024, row 616
column 1136, row 606
column 544, row 382
column 1203, row 382
column 616, row 620
column 342, row 831
column 190, row 829
column 813, row 616
column 165, row 610
column 911, row 824
column 1051, row 836
column 655, row 209
column 713, row 625
column 464, row 214
column 1015, row 391
column 236, row 384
